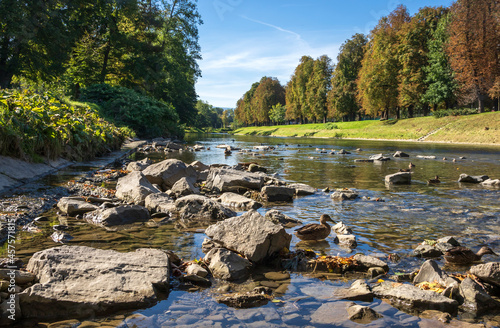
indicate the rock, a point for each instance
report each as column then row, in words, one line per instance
column 430, row 272
column 184, row 187
column 225, row 179
column 344, row 194
column 331, row 313
column 425, row 250
column 60, row 237
column 491, row 183
column 277, row 217
column 400, row 154
column 159, row 202
column 199, row 166
column 134, row 188
column 244, row 301
column 489, row 272
column 256, row 168
column 227, row 265
column 9, row 309
column 168, row 172
column 74, row 206
column 379, row 157
column 398, row 178
column 238, row 202
column 276, row 276
column 197, row 207
column 125, row 214
column 87, row 282
column 362, row 314
column 436, row 315
column 302, row 189
column 341, row 229
column 277, row 194
column 472, row 179
column 476, row 299
column 375, row 272
column 448, row 240
column 139, row 165
column 208, row 244
column 20, row 277
column 196, row 280
column 359, row 291
column 367, row 262
column 412, row 298
column 343, row 152
column 364, row 161
column 197, row 270
column 251, row 235
column 426, row 157
column 346, row 240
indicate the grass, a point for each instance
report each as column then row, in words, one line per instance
column 468, row 129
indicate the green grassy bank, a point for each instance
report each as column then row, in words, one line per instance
column 479, row 128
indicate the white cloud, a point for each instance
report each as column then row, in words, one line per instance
column 229, row 70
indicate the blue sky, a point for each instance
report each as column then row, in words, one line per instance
column 244, row 40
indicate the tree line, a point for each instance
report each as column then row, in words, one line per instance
column 148, row 46
column 438, row 58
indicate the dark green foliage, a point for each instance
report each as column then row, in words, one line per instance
column 34, row 125
column 148, row 117
column 455, row 112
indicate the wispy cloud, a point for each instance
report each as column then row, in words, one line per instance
column 273, row 26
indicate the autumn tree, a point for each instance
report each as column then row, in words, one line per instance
column 269, row 93
column 413, row 52
column 341, row 99
column 474, row 46
column 297, row 107
column 317, row 87
column 378, row 78
column 494, row 92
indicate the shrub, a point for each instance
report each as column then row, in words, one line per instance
column 331, row 126
column 35, row 125
column 148, row 117
column 454, row 112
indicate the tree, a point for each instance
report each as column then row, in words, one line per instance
column 474, row 46
column 277, row 114
column 413, row 56
column 341, row 98
column 268, row 93
column 440, row 80
column 317, row 87
column 494, row 92
column 378, row 78
column 297, row 107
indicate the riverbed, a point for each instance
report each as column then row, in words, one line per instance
column 407, row 216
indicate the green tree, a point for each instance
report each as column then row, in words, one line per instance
column 342, row 101
column 441, row 84
column 297, row 107
column 277, row 114
column 317, row 87
column 268, row 93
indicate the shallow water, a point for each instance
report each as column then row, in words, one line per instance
column 408, row 215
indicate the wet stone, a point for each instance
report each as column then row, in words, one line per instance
column 276, row 275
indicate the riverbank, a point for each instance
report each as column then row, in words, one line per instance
column 473, row 129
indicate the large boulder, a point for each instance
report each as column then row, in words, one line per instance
column 184, row 187
column 476, row 299
column 75, row 205
column 227, row 265
column 411, row 298
column 238, row 202
column 489, row 272
column 88, row 282
column 277, row 194
column 226, row 179
column 472, row 178
column 168, row 172
column 134, row 188
column 139, row 165
column 125, row 214
column 398, row 178
column 160, row 202
column 197, row 207
column 251, row 235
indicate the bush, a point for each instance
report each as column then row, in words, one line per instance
column 331, row 126
column 454, row 112
column 148, row 117
column 35, row 125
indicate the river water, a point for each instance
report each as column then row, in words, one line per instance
column 407, row 216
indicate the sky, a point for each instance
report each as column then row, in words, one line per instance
column 243, row 40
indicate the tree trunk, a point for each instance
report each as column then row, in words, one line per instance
column 480, row 99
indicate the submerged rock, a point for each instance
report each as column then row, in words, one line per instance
column 251, row 235
column 87, row 282
column 244, row 301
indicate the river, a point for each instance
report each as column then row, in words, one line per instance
column 407, row 216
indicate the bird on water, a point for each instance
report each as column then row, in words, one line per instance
column 463, row 255
column 314, row 231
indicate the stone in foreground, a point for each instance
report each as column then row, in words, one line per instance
column 227, row 265
column 198, row 207
column 168, row 172
column 277, row 194
column 225, row 179
column 251, row 235
column 134, row 188
column 87, row 282
column 489, row 272
column 398, row 178
column 74, row 206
